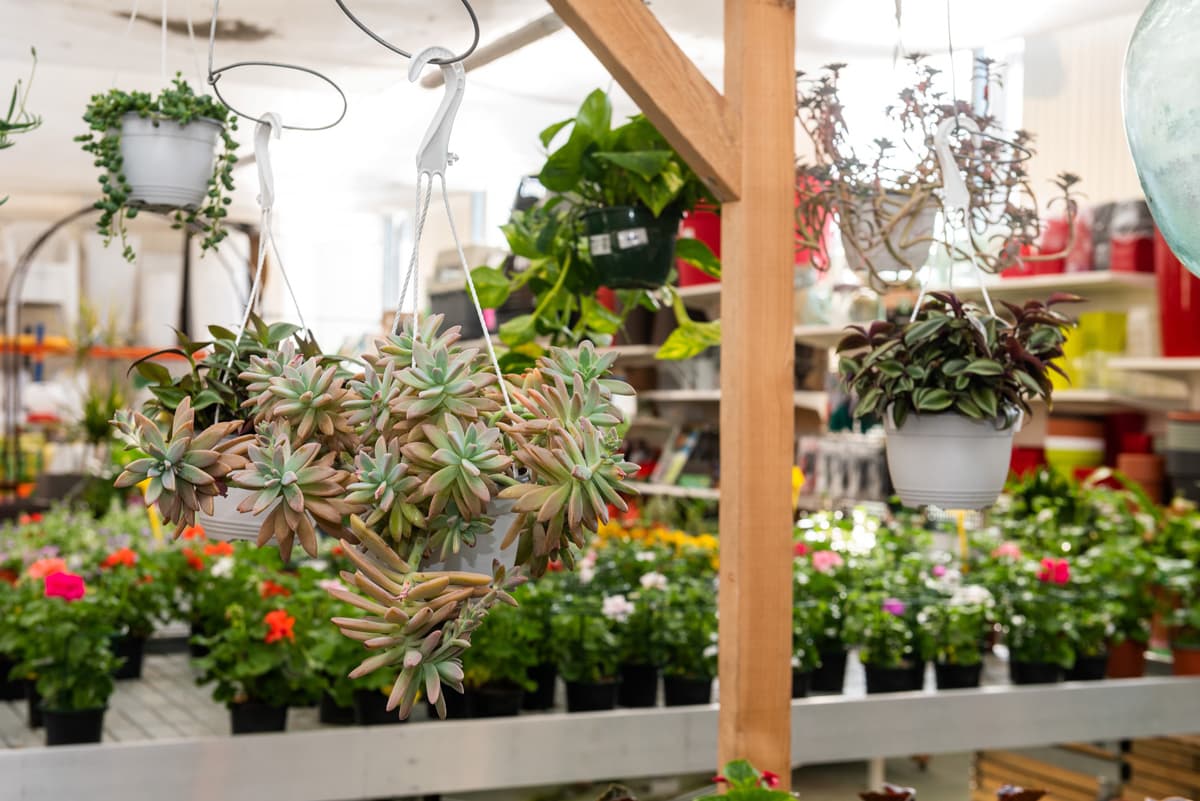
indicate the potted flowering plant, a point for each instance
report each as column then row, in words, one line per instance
column 888, row 646
column 1038, row 620
column 159, row 153
column 689, row 635
column 535, row 604
column 330, row 655
column 639, row 640
column 820, row 596
column 71, row 657
column 1126, row 571
column 742, row 781
column 496, row 667
column 951, row 386
column 256, row 666
column 582, row 628
column 956, row 624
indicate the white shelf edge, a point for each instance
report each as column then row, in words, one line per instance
column 676, row 491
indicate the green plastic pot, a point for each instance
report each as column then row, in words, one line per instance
column 629, row 247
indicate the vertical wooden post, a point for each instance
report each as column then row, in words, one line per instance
column 757, row 390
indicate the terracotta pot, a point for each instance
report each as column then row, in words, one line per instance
column 1127, row 660
column 1186, row 660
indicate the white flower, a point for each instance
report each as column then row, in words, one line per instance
column 1018, row 620
column 802, row 578
column 616, row 608
column 971, row 595
column 317, row 564
column 647, row 556
column 653, row 581
column 330, row 584
column 223, row 567
column 586, row 573
column 710, row 651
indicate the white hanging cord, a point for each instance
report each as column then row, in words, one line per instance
column 125, row 36
column 462, row 260
column 201, row 77
column 162, row 63
column 212, row 35
column 412, row 275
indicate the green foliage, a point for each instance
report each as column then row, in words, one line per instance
column 586, row 648
column 18, row 120
column 954, row 358
column 176, row 103
column 884, row 639
column 689, row 628
column 71, row 656
column 956, row 625
column 744, row 782
column 502, row 650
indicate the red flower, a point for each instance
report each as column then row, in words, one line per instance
column 146, row 579
column 269, row 588
column 121, row 556
column 193, row 559
column 193, row 533
column 46, row 567
column 8, row 576
column 554, row 566
column 218, row 549
column 719, row 779
column 36, row 517
column 281, row 624
column 1057, row 571
column 337, row 550
column 770, row 779
column 65, row 585
column 800, row 549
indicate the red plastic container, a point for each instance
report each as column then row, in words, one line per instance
column 703, row 224
column 1026, row 460
column 1178, row 302
column 1131, row 254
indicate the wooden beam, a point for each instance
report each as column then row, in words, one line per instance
column 757, row 426
column 639, row 53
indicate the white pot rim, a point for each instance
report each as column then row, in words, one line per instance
column 157, row 118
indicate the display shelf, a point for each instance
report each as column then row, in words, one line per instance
column 702, row 297
column 167, row 739
column 820, row 335
column 805, row 399
column 1124, row 289
column 1183, row 370
column 1104, row 401
column 676, row 491
column 28, row 344
column 633, row 355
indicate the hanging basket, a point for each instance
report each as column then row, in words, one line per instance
column 226, row 522
column 904, row 249
column 948, row 460
column 168, row 165
column 479, row 558
column 630, row 248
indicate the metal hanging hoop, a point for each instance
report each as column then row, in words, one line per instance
column 399, row 51
column 214, row 75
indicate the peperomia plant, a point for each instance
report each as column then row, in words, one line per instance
column 954, row 358
column 597, row 166
column 178, row 103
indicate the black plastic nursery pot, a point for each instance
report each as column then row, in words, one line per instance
column 1021, row 672
column 830, row 677
column 33, row 703
column 495, row 701
column 639, row 686
column 370, row 709
column 130, row 649
column 74, row 726
column 686, row 691
column 957, row 677
column 329, row 713
column 195, row 649
column 10, row 689
column 588, row 696
column 458, row 705
column 801, row 679
column 253, row 717
column 546, row 678
column 630, row 248
column 1089, row 668
column 895, row 680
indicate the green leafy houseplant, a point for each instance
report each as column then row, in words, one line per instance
column 744, row 782
column 1037, row 611
column 177, row 103
column 597, row 167
column 880, row 627
column 583, row 636
column 956, row 624
column 688, row 624
column 954, row 358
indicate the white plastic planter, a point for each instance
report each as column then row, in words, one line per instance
column 911, row 238
column 479, row 559
column 167, row 164
column 226, row 522
column 948, row 460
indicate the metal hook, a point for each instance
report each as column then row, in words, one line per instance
column 448, row 58
column 433, row 155
column 268, row 129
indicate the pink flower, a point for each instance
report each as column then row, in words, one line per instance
column 800, row 549
column 770, row 779
column 824, row 561
column 1007, row 550
column 939, row 571
column 894, row 606
column 1057, row 571
column 65, row 585
column 46, row 567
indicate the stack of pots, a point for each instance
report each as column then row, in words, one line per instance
column 1145, row 470
column 1074, row 443
column 1183, row 453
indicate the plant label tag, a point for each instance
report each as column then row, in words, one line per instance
column 600, row 245
column 632, row 238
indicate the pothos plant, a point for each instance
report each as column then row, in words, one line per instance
column 597, row 166
column 177, row 103
column 876, row 196
column 408, row 462
column 955, row 358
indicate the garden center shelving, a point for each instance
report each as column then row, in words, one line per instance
column 176, row 754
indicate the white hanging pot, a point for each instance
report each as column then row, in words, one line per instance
column 226, row 522
column 168, row 164
column 948, row 460
column 479, row 558
column 910, row 238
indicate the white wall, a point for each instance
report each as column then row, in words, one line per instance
column 1073, row 105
